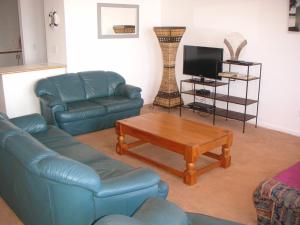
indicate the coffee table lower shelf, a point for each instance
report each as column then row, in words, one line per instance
column 170, row 169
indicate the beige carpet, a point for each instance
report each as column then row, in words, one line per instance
column 226, row 193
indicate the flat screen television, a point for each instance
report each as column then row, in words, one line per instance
column 204, row 62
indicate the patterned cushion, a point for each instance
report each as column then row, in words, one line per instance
column 277, row 203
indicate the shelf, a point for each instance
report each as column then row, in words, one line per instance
column 236, row 76
column 216, row 98
column 210, row 96
column 222, row 97
column 241, row 63
column 244, row 78
column 200, row 107
column 233, row 115
column 212, row 84
column 219, row 111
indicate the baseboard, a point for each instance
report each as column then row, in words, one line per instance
column 263, row 124
column 277, row 128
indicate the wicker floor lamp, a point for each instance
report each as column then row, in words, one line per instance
column 169, row 37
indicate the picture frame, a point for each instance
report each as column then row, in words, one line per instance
column 294, row 16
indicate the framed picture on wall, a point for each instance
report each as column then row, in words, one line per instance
column 294, row 16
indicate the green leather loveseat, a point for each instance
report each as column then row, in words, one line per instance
column 49, row 178
column 87, row 101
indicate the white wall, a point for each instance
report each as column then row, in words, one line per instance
column 55, row 37
column 9, row 31
column 23, row 101
column 31, row 13
column 264, row 23
column 137, row 59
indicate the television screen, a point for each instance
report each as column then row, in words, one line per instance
column 202, row 61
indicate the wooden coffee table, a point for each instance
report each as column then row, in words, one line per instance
column 188, row 138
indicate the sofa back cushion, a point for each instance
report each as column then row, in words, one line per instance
column 27, row 151
column 100, row 83
column 69, row 87
column 21, row 145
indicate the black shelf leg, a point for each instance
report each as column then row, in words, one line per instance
column 227, row 99
column 245, row 111
column 257, row 105
column 214, row 104
column 194, row 97
column 228, row 87
column 181, row 101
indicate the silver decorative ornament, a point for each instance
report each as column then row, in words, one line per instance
column 235, row 42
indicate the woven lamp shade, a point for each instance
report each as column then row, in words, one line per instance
column 169, row 38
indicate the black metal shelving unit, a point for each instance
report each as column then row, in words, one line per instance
column 229, row 99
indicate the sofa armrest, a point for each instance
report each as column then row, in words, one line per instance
column 163, row 189
column 3, row 116
column 67, row 171
column 32, row 123
column 128, row 91
column 132, row 181
column 51, row 101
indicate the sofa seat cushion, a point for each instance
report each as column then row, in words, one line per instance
column 54, row 138
column 290, row 176
column 81, row 153
column 118, row 103
column 66, row 145
column 108, row 168
column 80, row 110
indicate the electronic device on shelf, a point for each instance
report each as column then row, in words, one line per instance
column 232, row 61
column 240, row 62
column 228, row 74
column 201, row 106
column 203, row 62
column 203, row 92
column 203, row 80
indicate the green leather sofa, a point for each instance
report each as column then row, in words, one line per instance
column 49, row 178
column 87, row 101
column 157, row 211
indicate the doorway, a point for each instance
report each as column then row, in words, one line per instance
column 10, row 37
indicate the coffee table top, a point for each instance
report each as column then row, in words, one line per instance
column 175, row 129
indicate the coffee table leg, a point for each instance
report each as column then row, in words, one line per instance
column 226, row 157
column 190, row 174
column 121, row 146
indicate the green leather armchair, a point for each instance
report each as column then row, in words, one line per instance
column 156, row 211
